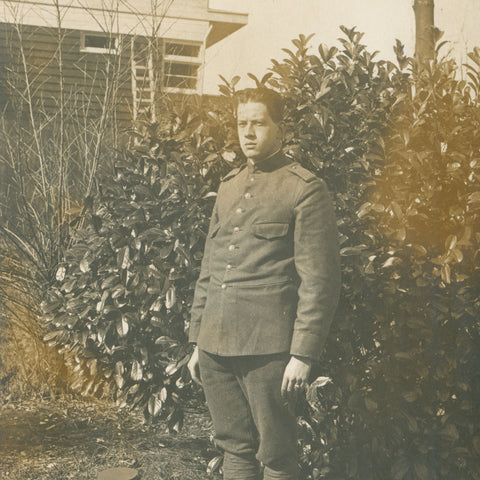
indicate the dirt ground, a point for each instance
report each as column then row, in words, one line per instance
column 68, row 438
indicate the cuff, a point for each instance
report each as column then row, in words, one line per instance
column 307, row 345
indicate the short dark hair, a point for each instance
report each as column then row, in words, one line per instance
column 271, row 99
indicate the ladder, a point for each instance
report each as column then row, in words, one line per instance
column 143, row 82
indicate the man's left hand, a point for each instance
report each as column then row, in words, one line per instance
column 295, row 378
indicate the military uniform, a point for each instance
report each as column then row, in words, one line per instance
column 268, row 288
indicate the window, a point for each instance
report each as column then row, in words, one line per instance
column 181, row 65
column 99, row 43
column 178, row 75
column 182, row 50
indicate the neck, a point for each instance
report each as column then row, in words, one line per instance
column 253, row 161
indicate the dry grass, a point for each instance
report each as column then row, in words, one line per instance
column 67, row 439
column 27, row 365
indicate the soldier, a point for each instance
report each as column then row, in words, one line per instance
column 265, row 298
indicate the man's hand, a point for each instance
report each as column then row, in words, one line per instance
column 295, row 378
column 194, row 367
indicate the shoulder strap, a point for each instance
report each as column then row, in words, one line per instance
column 301, row 172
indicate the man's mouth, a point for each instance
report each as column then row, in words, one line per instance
column 250, row 145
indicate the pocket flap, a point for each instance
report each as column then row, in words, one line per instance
column 270, row 230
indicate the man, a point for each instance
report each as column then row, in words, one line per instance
column 265, row 298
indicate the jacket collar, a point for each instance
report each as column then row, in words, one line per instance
column 269, row 164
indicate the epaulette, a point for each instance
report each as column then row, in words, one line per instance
column 232, row 173
column 301, row 172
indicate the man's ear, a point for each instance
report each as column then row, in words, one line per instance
column 280, row 131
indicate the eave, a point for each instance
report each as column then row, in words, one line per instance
column 224, row 24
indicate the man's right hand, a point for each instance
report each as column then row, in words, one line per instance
column 194, row 367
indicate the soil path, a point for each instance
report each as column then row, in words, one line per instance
column 70, row 439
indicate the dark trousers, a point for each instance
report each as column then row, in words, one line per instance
column 252, row 421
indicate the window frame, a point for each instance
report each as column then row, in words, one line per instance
column 183, row 60
column 108, row 51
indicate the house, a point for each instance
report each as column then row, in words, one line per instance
column 90, row 55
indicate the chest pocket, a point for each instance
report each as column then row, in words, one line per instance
column 270, row 231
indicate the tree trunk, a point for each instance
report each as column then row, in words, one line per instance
column 424, row 30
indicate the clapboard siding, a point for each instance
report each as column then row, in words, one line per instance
column 188, row 21
column 84, row 74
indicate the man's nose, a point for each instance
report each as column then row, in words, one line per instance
column 250, row 132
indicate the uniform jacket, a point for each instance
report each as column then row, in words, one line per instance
column 269, row 279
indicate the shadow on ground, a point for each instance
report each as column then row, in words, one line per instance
column 71, row 439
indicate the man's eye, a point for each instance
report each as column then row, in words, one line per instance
column 242, row 124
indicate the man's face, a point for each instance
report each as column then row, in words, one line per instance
column 259, row 135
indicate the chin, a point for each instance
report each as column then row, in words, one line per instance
column 251, row 154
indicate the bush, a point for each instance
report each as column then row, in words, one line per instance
column 403, row 353
column 398, row 147
column 121, row 303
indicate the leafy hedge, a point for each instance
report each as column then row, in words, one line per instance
column 399, row 148
column 121, row 302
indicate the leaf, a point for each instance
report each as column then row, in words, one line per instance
column 165, row 251
column 229, row 156
column 400, row 468
column 123, row 257
column 154, row 405
column 122, row 326
column 266, row 77
column 101, row 303
column 476, row 444
column 397, row 210
column 411, row 423
column 348, row 251
column 422, row 471
column 400, row 234
column 457, row 254
column 321, row 382
column 255, row 79
column 136, row 373
column 235, row 80
column 170, row 298
column 474, row 197
column 450, row 242
column 163, row 394
column 214, row 464
column 364, row 209
column 118, row 375
column 390, row 262
column 171, row 369
column 446, row 273
column 370, row 404
column 84, row 265
column 60, row 275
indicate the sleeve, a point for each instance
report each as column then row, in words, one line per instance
column 201, row 287
column 317, row 262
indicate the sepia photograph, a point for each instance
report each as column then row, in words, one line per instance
column 239, row 240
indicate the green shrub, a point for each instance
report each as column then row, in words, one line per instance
column 404, row 348
column 398, row 147
column 121, row 302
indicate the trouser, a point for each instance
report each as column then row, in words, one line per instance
column 252, row 421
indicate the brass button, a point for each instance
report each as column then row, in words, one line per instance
column 224, row 286
column 231, row 248
column 239, row 210
column 236, row 229
column 229, row 267
column 248, row 195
